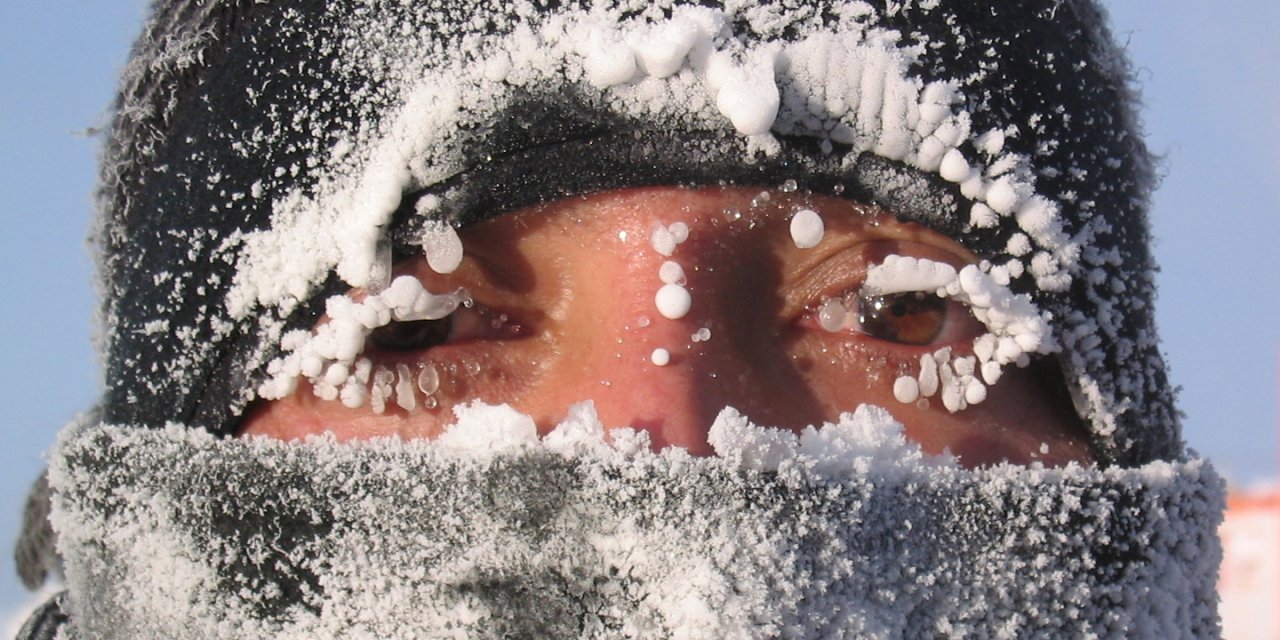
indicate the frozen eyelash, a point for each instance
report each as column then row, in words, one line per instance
column 1015, row 327
column 329, row 357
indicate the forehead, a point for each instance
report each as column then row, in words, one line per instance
column 747, row 217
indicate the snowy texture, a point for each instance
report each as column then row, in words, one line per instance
column 1009, row 127
column 861, row 77
column 841, row 532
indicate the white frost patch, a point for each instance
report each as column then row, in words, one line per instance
column 869, row 437
column 578, row 524
column 900, row 274
column 484, row 429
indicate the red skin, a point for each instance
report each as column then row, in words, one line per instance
column 579, row 292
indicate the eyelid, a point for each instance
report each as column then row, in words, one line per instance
column 836, row 268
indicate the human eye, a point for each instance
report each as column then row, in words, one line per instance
column 910, row 318
column 415, row 343
column 471, row 322
column 892, row 294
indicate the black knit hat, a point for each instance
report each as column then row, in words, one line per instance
column 238, row 118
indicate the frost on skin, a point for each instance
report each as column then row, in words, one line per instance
column 1015, row 327
column 491, row 531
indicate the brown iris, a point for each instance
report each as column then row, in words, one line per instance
column 914, row 317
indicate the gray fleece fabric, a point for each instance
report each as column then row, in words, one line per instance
column 851, row 533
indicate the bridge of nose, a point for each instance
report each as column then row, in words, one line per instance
column 723, row 352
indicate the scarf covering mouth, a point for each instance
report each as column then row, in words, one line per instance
column 843, row 532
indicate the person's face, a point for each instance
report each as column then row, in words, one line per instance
column 565, row 311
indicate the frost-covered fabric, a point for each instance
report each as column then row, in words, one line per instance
column 268, row 154
column 850, row 533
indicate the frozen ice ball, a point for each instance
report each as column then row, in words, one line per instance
column 663, row 241
column 806, row 228
column 671, row 272
column 673, row 301
column 832, row 315
column 442, row 246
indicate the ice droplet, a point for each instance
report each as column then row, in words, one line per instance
column 352, row 394
column 806, row 228
column 928, row 375
column 442, row 246
column 428, row 379
column 832, row 315
column 673, row 301
column 671, row 272
column 660, row 357
column 906, row 389
column 663, row 241
column 405, row 397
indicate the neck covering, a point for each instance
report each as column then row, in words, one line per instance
column 850, row 533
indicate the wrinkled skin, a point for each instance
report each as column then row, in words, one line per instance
column 576, row 281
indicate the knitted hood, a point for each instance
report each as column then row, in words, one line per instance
column 269, row 156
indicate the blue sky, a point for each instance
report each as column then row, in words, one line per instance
column 1212, row 112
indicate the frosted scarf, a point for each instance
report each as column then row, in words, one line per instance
column 842, row 532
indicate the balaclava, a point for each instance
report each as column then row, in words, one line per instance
column 268, row 156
